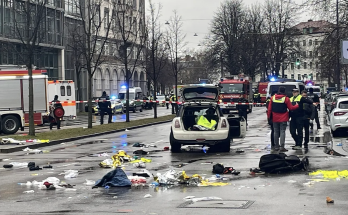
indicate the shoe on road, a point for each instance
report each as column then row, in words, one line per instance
column 283, row 150
column 297, row 148
column 256, row 172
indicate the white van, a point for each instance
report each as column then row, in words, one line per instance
column 289, row 86
column 135, row 93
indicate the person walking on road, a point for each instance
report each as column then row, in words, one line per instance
column 105, row 107
column 309, row 114
column 278, row 110
column 53, row 119
column 243, row 108
column 296, row 123
column 167, row 101
column 316, row 101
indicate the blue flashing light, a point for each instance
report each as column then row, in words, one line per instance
column 113, row 97
column 309, row 84
column 123, row 87
column 346, row 89
column 273, row 79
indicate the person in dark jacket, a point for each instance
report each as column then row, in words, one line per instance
column 296, row 123
column 105, row 107
column 56, row 104
column 243, row 108
column 316, row 101
column 278, row 109
column 309, row 114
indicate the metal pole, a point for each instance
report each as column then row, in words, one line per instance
column 222, row 66
column 338, row 73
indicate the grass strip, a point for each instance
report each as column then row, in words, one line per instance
column 76, row 132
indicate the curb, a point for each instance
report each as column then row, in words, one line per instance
column 56, row 142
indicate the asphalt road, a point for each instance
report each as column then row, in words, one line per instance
column 82, row 120
column 269, row 194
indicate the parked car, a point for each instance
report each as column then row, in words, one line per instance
column 334, row 99
column 184, row 129
column 161, row 100
column 328, row 101
column 339, row 116
column 94, row 106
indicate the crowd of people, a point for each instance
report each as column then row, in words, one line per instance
column 301, row 109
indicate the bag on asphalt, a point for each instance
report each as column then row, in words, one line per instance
column 218, row 168
column 281, row 163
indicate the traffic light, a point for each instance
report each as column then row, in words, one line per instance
column 298, row 62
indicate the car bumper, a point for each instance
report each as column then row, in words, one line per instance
column 200, row 137
column 339, row 126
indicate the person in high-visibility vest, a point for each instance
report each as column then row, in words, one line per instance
column 174, row 104
column 278, row 112
column 297, row 118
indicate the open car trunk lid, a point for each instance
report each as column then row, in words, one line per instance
column 200, row 94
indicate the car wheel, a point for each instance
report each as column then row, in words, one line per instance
column 175, row 147
column 225, row 146
column 141, row 110
column 135, row 109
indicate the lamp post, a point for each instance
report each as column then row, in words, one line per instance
column 338, row 69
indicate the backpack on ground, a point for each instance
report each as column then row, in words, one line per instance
column 218, row 168
column 281, row 163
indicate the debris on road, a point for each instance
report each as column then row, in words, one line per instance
column 35, row 151
column 138, row 145
column 116, row 160
column 7, row 166
column 143, row 160
column 166, row 148
column 69, row 174
column 330, row 174
column 147, row 196
column 29, row 191
column 193, row 199
column 89, row 182
column 115, row 178
column 140, row 152
column 18, row 164
column 329, row 200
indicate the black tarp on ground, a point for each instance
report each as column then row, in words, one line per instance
column 115, row 178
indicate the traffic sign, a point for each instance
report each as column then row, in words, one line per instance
column 344, row 51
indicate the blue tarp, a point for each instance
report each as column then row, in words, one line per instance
column 115, row 178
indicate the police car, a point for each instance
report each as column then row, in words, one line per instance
column 200, row 120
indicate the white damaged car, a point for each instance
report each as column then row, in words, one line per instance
column 200, row 101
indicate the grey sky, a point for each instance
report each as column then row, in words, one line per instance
column 196, row 9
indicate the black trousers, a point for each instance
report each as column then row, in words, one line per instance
column 272, row 136
column 54, row 120
column 167, row 104
column 244, row 114
column 316, row 118
column 174, row 108
column 296, row 130
column 102, row 113
column 306, row 129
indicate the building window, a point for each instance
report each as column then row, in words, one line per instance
column 305, row 31
column 310, row 54
column 316, row 42
column 292, row 66
column 298, row 66
column 135, row 5
column 107, row 18
column 114, row 79
column 106, row 49
column 310, row 42
column 310, row 65
column 98, row 77
column 317, row 65
column 304, row 54
column 107, row 80
column 305, row 65
column 298, row 76
column 310, row 30
column 304, row 42
column 316, row 54
column 285, row 76
column 292, row 76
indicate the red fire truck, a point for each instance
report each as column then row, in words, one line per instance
column 232, row 89
column 262, row 88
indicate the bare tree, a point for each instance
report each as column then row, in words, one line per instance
column 92, row 33
column 29, row 27
column 175, row 40
column 157, row 57
column 227, row 31
column 129, row 39
column 279, row 18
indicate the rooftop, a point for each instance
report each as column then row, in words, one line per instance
column 320, row 26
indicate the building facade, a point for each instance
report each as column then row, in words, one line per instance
column 57, row 56
column 305, row 64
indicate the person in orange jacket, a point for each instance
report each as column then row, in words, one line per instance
column 278, row 109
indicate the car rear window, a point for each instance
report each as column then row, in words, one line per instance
column 343, row 105
column 288, row 89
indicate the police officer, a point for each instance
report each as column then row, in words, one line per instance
column 297, row 122
column 316, row 101
column 257, row 98
column 243, row 108
column 105, row 107
column 309, row 114
column 56, row 104
column 174, row 104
